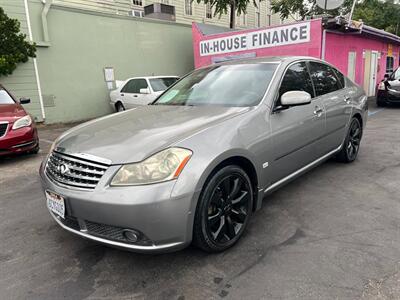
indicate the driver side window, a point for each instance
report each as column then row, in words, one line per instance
column 296, row 78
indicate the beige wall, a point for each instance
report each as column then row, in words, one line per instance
column 124, row 7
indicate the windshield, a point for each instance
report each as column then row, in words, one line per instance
column 5, row 98
column 226, row 85
column 161, row 84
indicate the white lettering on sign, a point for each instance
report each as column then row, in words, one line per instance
column 271, row 37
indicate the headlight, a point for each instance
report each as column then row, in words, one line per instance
column 162, row 166
column 22, row 122
column 381, row 86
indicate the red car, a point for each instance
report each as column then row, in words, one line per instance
column 18, row 131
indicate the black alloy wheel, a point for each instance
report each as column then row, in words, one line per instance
column 224, row 210
column 352, row 142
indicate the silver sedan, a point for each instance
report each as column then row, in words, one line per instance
column 195, row 165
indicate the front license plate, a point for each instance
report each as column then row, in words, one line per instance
column 56, row 203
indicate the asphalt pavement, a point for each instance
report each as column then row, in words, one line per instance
column 334, row 233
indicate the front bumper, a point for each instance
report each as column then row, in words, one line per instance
column 19, row 141
column 163, row 221
column 388, row 96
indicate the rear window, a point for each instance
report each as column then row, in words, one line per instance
column 5, row 98
column 161, row 84
column 324, row 79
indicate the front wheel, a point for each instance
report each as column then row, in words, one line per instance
column 351, row 144
column 119, row 107
column 223, row 210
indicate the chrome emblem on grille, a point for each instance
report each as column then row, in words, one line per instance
column 63, row 169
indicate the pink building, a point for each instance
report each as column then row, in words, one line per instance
column 361, row 52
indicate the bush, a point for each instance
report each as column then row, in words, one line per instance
column 14, row 48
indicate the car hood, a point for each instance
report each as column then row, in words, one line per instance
column 10, row 112
column 135, row 134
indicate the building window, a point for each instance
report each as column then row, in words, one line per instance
column 188, row 7
column 208, row 11
column 165, row 1
column 258, row 15
column 137, row 2
column 269, row 14
column 389, row 64
column 137, row 13
column 241, row 19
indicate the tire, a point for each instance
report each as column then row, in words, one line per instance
column 36, row 150
column 224, row 209
column 351, row 144
column 380, row 103
column 119, row 107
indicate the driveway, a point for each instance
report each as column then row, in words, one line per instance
column 332, row 234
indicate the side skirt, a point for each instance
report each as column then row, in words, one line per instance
column 304, row 169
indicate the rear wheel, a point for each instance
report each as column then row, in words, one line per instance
column 119, row 107
column 351, row 144
column 223, row 210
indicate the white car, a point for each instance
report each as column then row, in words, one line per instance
column 139, row 91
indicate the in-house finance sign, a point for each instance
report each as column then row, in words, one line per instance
column 271, row 37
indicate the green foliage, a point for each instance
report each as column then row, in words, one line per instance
column 300, row 9
column 382, row 15
column 14, row 48
column 221, row 7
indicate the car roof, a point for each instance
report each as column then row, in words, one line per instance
column 267, row 59
column 152, row 77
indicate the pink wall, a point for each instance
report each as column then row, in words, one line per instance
column 339, row 45
column 311, row 48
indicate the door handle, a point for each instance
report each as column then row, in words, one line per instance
column 135, row 95
column 318, row 111
column 122, row 95
column 347, row 99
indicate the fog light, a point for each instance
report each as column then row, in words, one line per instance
column 131, row 235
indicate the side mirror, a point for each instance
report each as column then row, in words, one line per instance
column 295, row 98
column 24, row 100
column 144, row 91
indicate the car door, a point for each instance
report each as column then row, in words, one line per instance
column 297, row 130
column 126, row 94
column 131, row 95
column 336, row 98
column 142, row 98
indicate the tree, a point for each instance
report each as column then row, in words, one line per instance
column 221, row 7
column 380, row 14
column 301, row 9
column 14, row 48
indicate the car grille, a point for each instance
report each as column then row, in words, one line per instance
column 3, row 129
column 73, row 171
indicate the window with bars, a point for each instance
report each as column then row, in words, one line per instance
column 137, row 2
column 208, row 11
column 188, row 7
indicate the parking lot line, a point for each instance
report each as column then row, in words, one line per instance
column 371, row 113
